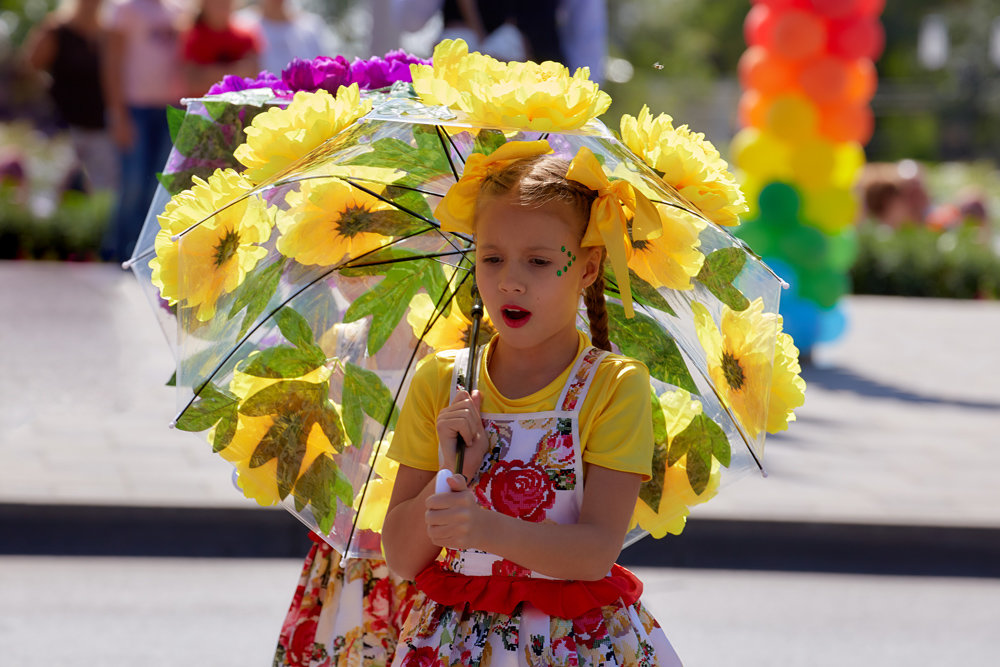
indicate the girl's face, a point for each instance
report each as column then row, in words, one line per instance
column 523, row 270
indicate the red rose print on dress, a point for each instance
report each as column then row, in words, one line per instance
column 301, row 647
column 589, row 629
column 378, row 604
column 425, row 656
column 517, row 489
column 506, row 568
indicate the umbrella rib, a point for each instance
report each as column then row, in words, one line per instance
column 447, row 154
column 442, row 301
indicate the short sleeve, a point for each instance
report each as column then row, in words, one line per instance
column 618, row 428
column 414, row 442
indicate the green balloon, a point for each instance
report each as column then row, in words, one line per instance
column 803, row 247
column 843, row 249
column 779, row 203
column 825, row 286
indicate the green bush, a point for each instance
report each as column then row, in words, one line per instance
column 72, row 232
column 914, row 260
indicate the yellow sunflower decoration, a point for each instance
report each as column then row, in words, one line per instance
column 688, row 162
column 522, row 95
column 213, row 258
column 672, row 258
column 328, row 220
column 372, row 512
column 280, row 137
column 261, row 482
column 788, row 389
column 739, row 357
column 447, row 333
column 676, row 496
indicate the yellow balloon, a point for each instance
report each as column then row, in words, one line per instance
column 792, row 118
column 830, row 209
column 761, row 155
column 850, row 158
column 812, row 162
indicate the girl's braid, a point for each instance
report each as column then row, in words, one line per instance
column 597, row 310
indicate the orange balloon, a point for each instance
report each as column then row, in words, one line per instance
column 752, row 109
column 824, row 79
column 846, row 122
column 862, row 80
column 797, row 35
column 760, row 69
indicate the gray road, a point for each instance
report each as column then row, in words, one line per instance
column 217, row 613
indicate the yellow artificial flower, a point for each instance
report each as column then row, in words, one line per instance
column 524, row 95
column 280, row 137
column 379, row 489
column 214, row 257
column 740, row 361
column 672, row 258
column 788, row 389
column 677, row 496
column 688, row 162
column 329, row 220
column 447, row 333
column 261, row 483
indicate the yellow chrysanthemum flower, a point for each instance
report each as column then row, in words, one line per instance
column 788, row 389
column 672, row 258
column 328, row 221
column 740, row 361
column 214, row 257
column 688, row 162
column 448, row 333
column 280, row 137
column 379, row 490
column 261, row 483
column 677, row 496
column 527, row 96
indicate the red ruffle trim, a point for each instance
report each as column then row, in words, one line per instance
column 501, row 594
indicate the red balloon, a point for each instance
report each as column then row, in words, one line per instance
column 846, row 122
column 758, row 25
column 759, row 69
column 797, row 35
column 858, row 37
column 835, row 9
column 871, row 7
column 824, row 79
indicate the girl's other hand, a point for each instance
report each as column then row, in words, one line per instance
column 454, row 519
column 462, row 418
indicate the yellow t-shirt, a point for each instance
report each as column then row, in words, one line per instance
column 616, row 426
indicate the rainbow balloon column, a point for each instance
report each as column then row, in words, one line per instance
column 807, row 78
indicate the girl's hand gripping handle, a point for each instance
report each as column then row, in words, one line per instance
column 460, row 424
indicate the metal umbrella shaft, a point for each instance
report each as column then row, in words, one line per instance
column 470, row 371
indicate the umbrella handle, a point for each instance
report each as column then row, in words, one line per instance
column 470, row 369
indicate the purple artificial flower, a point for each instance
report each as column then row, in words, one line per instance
column 232, row 83
column 322, row 72
column 381, row 72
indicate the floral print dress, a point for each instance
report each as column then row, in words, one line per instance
column 533, row 471
column 343, row 615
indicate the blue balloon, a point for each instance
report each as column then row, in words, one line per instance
column 832, row 324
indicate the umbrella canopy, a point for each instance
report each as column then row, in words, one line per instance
column 307, row 288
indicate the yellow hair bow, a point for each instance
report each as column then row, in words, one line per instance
column 608, row 224
column 457, row 210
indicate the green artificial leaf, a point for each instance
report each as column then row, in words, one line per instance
column 199, row 135
column 488, row 141
column 172, row 382
column 178, row 181
column 279, row 397
column 255, row 293
column 295, row 328
column 224, row 432
column 388, row 301
column 423, row 162
column 718, row 273
column 644, row 339
column 410, row 202
column 211, row 405
column 652, row 490
column 642, row 291
column 701, row 441
column 175, row 118
column 365, row 392
column 321, row 486
column 393, row 223
column 284, row 362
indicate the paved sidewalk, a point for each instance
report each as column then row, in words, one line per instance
column 901, row 424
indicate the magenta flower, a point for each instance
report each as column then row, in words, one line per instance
column 232, row 83
column 381, row 72
column 322, row 72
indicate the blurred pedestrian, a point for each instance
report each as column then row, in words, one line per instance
column 216, row 45
column 69, row 47
column 287, row 32
column 142, row 78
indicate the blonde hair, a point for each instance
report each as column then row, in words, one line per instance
column 540, row 180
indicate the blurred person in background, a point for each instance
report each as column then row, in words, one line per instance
column 142, row 78
column 287, row 32
column 572, row 32
column 68, row 46
column 216, row 45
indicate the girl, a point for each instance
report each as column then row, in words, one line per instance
column 559, row 439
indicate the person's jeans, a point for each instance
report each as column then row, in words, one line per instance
column 137, row 181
